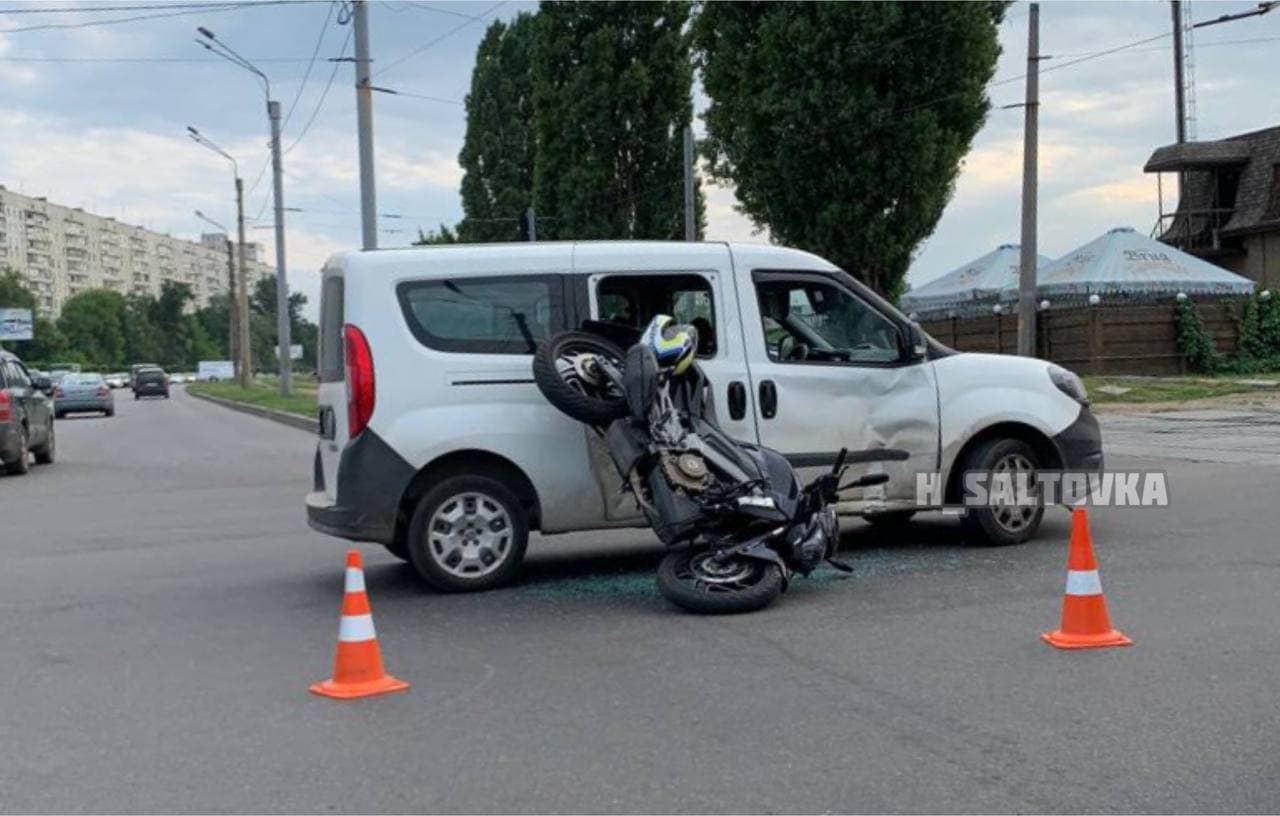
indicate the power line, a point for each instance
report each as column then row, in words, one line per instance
column 97, row 9
column 324, row 29
column 436, row 9
column 94, row 60
column 415, row 52
column 395, row 92
column 323, row 94
column 221, row 7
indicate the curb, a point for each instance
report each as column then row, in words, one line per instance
column 283, row 417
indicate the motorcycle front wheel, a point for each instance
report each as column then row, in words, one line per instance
column 696, row 581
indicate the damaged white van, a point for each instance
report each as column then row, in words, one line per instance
column 435, row 442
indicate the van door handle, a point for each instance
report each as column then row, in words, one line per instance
column 768, row 399
column 737, row 400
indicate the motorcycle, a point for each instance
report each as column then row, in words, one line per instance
column 737, row 521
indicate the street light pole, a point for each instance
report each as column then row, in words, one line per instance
column 239, row 305
column 218, row 47
column 242, row 304
column 232, row 328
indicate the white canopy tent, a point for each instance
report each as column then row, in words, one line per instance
column 984, row 281
column 1124, row 262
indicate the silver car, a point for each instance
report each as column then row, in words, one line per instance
column 82, row 393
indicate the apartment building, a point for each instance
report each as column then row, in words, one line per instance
column 62, row 251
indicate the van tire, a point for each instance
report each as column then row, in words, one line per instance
column 984, row 523
column 489, row 497
column 564, row 396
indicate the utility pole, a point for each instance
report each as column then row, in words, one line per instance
column 282, row 280
column 364, row 127
column 690, row 226
column 1027, row 262
column 242, row 294
column 531, row 224
column 1179, row 80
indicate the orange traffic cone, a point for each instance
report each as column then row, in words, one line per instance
column 357, row 669
column 1085, row 624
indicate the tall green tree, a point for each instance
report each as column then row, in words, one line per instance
column 612, row 94
column 843, row 125
column 93, row 324
column 498, row 149
column 262, row 325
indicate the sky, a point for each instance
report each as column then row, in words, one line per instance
column 94, row 115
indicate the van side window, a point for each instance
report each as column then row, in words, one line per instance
column 815, row 321
column 633, row 300
column 507, row 315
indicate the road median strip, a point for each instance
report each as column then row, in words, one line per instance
column 294, row 420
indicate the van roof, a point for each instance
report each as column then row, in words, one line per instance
column 752, row 255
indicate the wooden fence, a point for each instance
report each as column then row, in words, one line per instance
column 1119, row 339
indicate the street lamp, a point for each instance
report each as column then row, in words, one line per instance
column 239, row 297
column 212, row 44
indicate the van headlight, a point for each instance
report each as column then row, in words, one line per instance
column 1069, row 384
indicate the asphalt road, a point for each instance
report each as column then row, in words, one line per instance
column 165, row 607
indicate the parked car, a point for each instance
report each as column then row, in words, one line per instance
column 80, row 393
column 26, row 416
column 117, row 380
column 430, row 422
column 135, row 368
column 150, row 382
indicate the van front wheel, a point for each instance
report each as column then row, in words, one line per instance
column 468, row 534
column 1003, row 523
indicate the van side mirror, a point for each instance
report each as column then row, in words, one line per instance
column 916, row 343
column 42, row 383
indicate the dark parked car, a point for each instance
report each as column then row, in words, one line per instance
column 26, row 416
column 151, row 382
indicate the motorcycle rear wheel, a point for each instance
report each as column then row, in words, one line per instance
column 691, row 580
column 558, row 369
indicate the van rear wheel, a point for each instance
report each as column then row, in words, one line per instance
column 468, row 534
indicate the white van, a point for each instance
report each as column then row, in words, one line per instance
column 435, row 442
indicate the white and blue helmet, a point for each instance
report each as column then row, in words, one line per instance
column 673, row 344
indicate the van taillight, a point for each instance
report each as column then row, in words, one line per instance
column 6, row 406
column 360, row 383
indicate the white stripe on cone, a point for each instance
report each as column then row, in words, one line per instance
column 1083, row 582
column 355, row 580
column 356, row 628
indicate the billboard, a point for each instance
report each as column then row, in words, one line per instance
column 16, row 324
column 295, row 352
column 215, row 370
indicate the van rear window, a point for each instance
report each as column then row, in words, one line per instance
column 331, row 311
column 507, row 315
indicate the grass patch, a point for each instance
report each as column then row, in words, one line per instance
column 1173, row 389
column 265, row 394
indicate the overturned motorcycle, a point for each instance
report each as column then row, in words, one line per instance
column 737, row 520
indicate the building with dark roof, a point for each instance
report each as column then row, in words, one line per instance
column 1229, row 208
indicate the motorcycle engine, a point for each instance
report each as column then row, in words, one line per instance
column 686, row 470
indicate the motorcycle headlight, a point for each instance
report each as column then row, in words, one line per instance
column 1069, row 384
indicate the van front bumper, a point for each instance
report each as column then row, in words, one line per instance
column 1080, row 443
